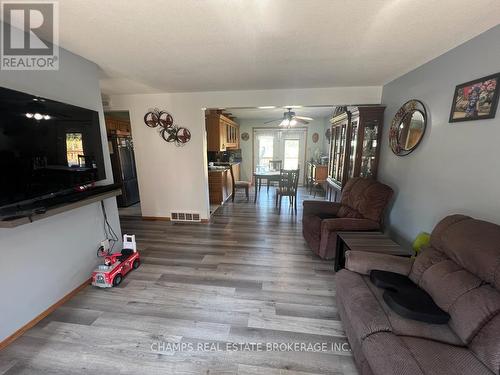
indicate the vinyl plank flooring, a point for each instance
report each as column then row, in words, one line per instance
column 296, row 324
column 259, row 370
column 246, row 277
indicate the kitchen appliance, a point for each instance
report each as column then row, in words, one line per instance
column 121, row 150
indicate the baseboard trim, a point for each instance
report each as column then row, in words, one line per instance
column 166, row 218
column 44, row 314
column 156, row 218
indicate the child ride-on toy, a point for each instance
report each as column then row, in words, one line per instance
column 117, row 265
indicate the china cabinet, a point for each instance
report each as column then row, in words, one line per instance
column 355, row 146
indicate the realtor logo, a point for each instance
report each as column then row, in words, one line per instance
column 30, row 36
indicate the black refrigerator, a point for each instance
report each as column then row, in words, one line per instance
column 121, row 150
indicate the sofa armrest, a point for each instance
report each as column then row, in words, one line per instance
column 340, row 224
column 363, row 262
column 320, row 207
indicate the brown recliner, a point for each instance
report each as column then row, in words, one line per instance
column 361, row 209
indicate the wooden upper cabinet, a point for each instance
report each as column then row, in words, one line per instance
column 222, row 132
column 114, row 125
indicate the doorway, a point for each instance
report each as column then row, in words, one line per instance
column 289, row 146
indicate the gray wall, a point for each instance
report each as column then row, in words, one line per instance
column 456, row 168
column 43, row 261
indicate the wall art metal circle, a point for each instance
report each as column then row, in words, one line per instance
column 170, row 132
column 408, row 127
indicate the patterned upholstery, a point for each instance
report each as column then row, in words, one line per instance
column 361, row 209
column 460, row 270
column 436, row 358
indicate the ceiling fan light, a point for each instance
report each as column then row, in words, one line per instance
column 29, row 115
column 38, row 116
column 293, row 122
column 285, row 122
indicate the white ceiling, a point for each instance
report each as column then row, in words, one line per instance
column 202, row 45
column 265, row 114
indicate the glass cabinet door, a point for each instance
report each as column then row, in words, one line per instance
column 341, row 152
column 369, row 151
column 354, row 147
column 333, row 144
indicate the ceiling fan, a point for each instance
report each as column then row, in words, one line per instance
column 290, row 119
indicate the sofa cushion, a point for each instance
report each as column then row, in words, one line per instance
column 435, row 358
column 470, row 302
column 386, row 354
column 366, row 197
column 364, row 312
column 473, row 244
column 446, row 281
column 426, row 259
column 346, row 211
column 471, row 311
column 363, row 262
column 311, row 229
column 486, row 344
column 410, row 327
column 354, row 341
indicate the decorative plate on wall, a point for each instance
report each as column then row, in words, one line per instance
column 245, row 136
column 315, row 137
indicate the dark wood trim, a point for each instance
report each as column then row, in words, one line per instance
column 156, row 218
column 60, row 209
column 43, row 315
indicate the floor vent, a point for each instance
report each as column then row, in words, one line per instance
column 183, row 217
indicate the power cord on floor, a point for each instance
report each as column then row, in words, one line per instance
column 109, row 233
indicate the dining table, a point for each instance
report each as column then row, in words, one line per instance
column 264, row 175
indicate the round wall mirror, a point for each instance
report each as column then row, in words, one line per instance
column 408, row 127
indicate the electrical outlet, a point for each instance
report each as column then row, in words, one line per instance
column 105, row 245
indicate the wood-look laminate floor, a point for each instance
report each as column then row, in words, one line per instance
column 245, row 278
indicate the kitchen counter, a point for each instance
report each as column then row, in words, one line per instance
column 220, row 167
column 220, row 183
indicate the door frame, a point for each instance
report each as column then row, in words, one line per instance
column 278, row 128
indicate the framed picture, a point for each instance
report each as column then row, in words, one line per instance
column 475, row 100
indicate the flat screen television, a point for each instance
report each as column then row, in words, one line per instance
column 47, row 148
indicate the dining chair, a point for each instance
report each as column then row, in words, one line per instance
column 287, row 187
column 238, row 184
column 274, row 165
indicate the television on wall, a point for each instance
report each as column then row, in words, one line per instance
column 47, row 148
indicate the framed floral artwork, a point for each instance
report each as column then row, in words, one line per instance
column 475, row 100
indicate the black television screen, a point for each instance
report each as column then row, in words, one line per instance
column 46, row 147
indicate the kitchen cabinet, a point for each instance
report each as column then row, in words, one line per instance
column 220, row 184
column 222, row 132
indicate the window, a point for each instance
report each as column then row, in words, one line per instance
column 266, row 151
column 74, row 147
column 291, row 154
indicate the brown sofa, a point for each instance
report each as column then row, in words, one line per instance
column 461, row 272
column 360, row 209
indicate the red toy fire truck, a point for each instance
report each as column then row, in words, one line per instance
column 117, row 265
